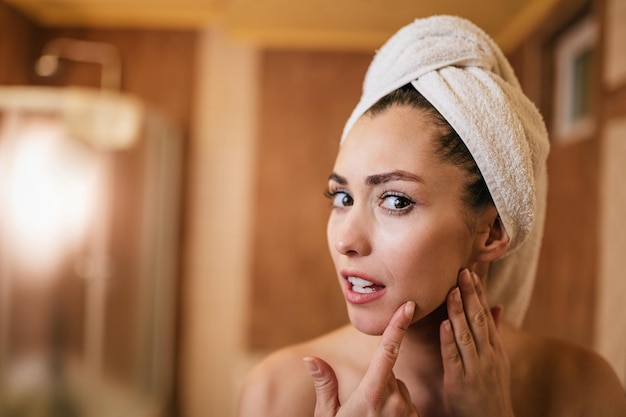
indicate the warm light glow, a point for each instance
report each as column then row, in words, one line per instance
column 52, row 190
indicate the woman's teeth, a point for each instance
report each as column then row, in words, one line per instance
column 361, row 285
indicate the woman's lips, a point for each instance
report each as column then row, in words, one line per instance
column 360, row 289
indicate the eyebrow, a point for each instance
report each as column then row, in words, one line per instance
column 376, row 179
column 337, row 178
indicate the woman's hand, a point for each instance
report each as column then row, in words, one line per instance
column 476, row 368
column 379, row 393
column 476, row 379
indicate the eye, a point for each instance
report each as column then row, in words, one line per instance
column 340, row 198
column 396, row 202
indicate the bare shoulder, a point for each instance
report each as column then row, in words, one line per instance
column 555, row 378
column 280, row 385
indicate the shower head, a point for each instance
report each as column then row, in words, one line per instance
column 104, row 54
column 47, row 65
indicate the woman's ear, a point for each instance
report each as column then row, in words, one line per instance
column 496, row 243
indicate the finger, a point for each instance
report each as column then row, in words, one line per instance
column 381, row 366
column 326, row 386
column 452, row 364
column 476, row 313
column 493, row 320
column 460, row 327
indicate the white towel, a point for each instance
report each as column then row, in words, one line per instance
column 458, row 68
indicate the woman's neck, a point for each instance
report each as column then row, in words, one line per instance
column 419, row 363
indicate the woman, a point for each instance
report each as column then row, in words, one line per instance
column 438, row 200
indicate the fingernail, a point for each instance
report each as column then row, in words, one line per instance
column 466, row 276
column 311, row 365
column 409, row 309
column 456, row 294
column 446, row 325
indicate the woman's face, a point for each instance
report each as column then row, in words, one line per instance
column 399, row 229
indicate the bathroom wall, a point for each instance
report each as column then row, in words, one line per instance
column 563, row 300
column 579, row 290
column 305, row 98
column 17, row 37
column 217, row 246
column 157, row 65
column 610, row 329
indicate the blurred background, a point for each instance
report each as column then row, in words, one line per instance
column 162, row 167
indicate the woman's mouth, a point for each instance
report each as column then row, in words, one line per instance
column 360, row 290
column 361, row 285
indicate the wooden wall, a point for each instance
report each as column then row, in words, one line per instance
column 306, row 97
column 610, row 331
column 18, row 36
column 157, row 65
column 564, row 299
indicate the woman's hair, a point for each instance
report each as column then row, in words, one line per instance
column 449, row 146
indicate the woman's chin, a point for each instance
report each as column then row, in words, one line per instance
column 368, row 325
column 374, row 322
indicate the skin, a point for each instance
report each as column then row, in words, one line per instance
column 430, row 345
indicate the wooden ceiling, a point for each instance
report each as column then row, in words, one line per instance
column 345, row 24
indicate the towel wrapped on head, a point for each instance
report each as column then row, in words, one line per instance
column 462, row 72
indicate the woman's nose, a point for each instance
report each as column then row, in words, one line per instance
column 352, row 235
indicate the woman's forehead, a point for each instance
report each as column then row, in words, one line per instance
column 400, row 138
